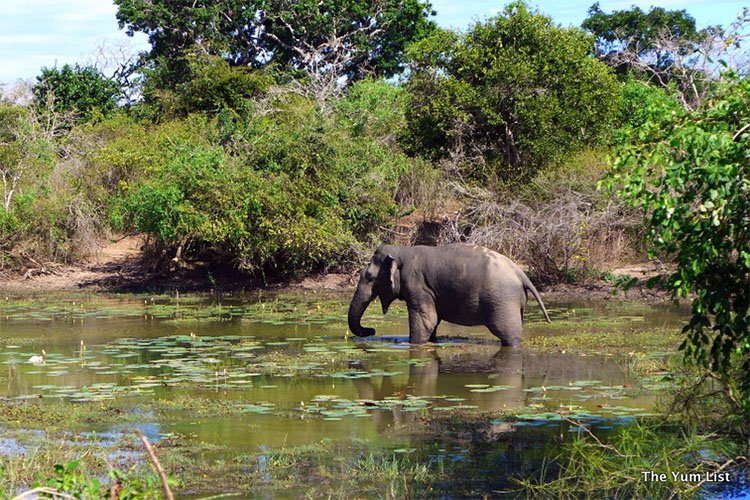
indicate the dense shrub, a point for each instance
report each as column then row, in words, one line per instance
column 291, row 188
column 640, row 103
column 690, row 173
column 209, row 84
column 80, row 90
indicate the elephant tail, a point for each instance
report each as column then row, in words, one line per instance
column 528, row 285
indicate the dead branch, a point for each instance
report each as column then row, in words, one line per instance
column 593, row 436
column 159, row 469
column 43, row 489
column 740, row 132
column 327, row 61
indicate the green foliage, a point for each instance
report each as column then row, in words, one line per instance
column 641, row 103
column 81, row 90
column 209, row 84
column 690, row 173
column 638, row 31
column 373, row 35
column 288, row 190
column 373, row 108
column 70, row 480
column 517, row 89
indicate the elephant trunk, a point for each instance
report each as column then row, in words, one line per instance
column 356, row 309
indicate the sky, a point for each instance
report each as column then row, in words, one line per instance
column 47, row 33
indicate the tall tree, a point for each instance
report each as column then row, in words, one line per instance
column 352, row 37
column 514, row 92
column 639, row 32
column 665, row 48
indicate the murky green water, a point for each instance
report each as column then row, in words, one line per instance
column 286, row 374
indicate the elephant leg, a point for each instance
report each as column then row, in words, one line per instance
column 433, row 336
column 423, row 322
column 505, row 324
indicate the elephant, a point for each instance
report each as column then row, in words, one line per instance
column 460, row 283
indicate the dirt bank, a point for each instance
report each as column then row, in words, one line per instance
column 119, row 267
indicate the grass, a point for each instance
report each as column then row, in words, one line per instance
column 328, row 468
column 604, row 340
column 588, row 467
column 56, row 415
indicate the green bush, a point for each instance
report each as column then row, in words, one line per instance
column 208, row 84
column 373, row 108
column 511, row 95
column 81, row 90
column 690, row 174
column 292, row 189
column 642, row 103
column 201, row 199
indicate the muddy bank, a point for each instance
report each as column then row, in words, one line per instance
column 120, row 268
column 135, row 278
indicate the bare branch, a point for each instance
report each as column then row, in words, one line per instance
column 593, row 436
column 689, row 64
column 159, row 469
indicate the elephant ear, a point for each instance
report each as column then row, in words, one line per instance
column 394, row 275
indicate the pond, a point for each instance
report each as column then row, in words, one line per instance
column 267, row 394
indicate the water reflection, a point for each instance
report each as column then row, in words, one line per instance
column 185, row 357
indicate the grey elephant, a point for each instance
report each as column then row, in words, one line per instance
column 463, row 284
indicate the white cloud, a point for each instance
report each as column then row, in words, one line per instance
column 36, row 33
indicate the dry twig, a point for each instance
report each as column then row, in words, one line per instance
column 159, row 469
column 593, row 436
column 43, row 489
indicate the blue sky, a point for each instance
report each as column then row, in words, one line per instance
column 37, row 33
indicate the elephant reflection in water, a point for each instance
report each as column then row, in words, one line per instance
column 14, row 386
column 433, row 374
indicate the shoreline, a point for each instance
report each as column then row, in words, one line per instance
column 93, row 279
column 119, row 268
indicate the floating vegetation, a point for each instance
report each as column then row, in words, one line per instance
column 493, row 388
column 292, row 309
column 334, row 407
column 252, row 374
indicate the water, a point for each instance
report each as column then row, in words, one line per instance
column 261, row 372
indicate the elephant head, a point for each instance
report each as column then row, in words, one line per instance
column 381, row 278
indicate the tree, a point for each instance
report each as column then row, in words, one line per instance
column 352, row 37
column 690, row 174
column 82, row 91
column 638, row 31
column 26, row 147
column 665, row 48
column 210, row 86
column 514, row 92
